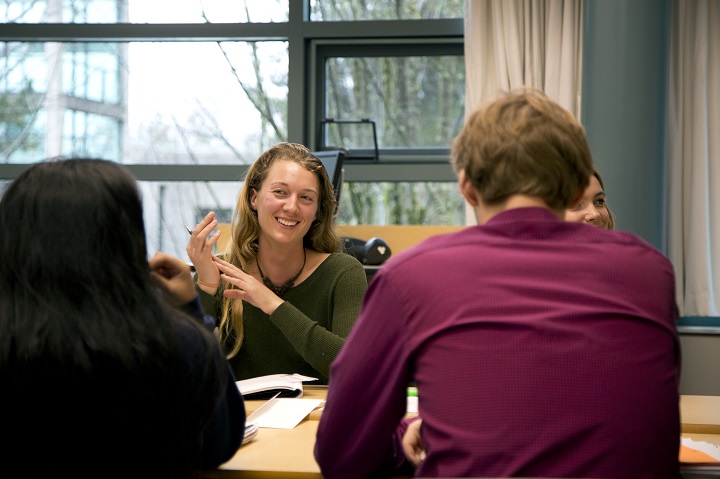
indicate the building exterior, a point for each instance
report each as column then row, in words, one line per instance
column 62, row 99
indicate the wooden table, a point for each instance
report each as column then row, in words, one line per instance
column 700, row 421
column 700, row 414
column 288, row 453
column 277, row 453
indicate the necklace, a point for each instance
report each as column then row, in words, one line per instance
column 280, row 290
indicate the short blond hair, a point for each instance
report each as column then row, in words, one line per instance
column 524, row 143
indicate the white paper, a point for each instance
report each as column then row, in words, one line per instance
column 710, row 449
column 283, row 413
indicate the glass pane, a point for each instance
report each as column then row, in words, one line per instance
column 143, row 11
column 213, row 11
column 23, row 91
column 324, row 10
column 169, row 206
column 429, row 203
column 206, row 102
column 179, row 103
column 62, row 11
column 91, row 71
column 429, row 91
column 90, row 135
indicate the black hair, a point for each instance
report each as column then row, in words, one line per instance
column 88, row 348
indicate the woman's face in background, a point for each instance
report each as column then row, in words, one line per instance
column 591, row 208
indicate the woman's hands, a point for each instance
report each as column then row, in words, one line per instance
column 173, row 276
column 247, row 287
column 199, row 249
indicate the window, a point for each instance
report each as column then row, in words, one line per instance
column 413, row 92
column 187, row 93
column 396, row 103
column 384, row 10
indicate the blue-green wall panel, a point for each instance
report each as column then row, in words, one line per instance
column 624, row 105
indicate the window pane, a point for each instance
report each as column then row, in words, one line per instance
column 91, row 71
column 87, row 11
column 169, row 206
column 180, row 103
column 62, row 11
column 415, row 102
column 214, row 11
column 324, row 10
column 206, row 102
column 90, row 135
column 143, row 11
column 429, row 203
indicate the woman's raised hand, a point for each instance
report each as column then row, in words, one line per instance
column 247, row 287
column 199, row 249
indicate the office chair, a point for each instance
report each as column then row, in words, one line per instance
column 372, row 252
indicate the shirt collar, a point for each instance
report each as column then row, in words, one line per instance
column 531, row 213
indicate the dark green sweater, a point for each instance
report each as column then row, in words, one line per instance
column 306, row 332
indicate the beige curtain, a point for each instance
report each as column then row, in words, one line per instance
column 513, row 43
column 694, row 155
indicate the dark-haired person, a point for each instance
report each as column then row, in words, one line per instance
column 531, row 358
column 106, row 367
column 288, row 296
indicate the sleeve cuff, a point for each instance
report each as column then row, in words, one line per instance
column 195, row 309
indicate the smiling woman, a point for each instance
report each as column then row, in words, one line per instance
column 592, row 206
column 187, row 126
column 283, row 295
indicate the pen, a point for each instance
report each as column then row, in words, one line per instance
column 188, row 229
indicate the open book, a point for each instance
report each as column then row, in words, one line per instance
column 266, row 387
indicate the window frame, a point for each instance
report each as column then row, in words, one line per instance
column 304, row 38
column 427, row 164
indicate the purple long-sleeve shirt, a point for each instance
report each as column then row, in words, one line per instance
column 539, row 348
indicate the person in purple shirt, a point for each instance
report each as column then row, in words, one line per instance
column 531, row 356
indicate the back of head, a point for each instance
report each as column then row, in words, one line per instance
column 68, row 222
column 87, row 344
column 524, row 143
